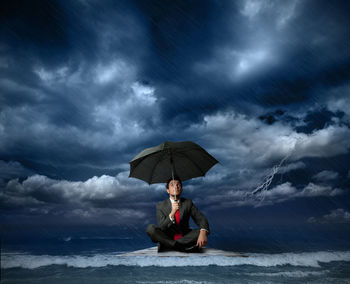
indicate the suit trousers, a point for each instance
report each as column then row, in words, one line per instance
column 159, row 236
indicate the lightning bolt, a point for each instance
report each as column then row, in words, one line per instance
column 268, row 179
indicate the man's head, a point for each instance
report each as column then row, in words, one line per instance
column 174, row 187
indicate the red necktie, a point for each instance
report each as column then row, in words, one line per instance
column 177, row 220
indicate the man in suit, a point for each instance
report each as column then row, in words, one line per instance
column 173, row 214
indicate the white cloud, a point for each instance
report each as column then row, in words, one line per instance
column 281, row 12
column 338, row 215
column 239, row 64
column 52, row 76
column 109, row 107
column 243, row 135
column 278, row 194
column 101, row 196
column 312, row 190
column 338, row 100
column 115, row 71
column 260, row 45
column 335, row 216
column 251, row 8
column 286, row 191
column 249, row 149
column 281, row 191
column 243, row 138
column 62, row 76
column 128, row 117
column 327, row 142
column 251, row 60
column 103, row 188
column 286, row 13
column 98, row 199
column 247, row 138
column 144, row 93
column 326, row 176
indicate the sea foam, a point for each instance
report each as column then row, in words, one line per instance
column 305, row 259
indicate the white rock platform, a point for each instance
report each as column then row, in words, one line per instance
column 205, row 252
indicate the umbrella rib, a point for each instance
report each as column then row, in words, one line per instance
column 132, row 169
column 195, row 164
column 155, row 164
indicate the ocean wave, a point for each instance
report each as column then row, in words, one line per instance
column 69, row 238
column 183, row 281
column 263, row 275
column 293, row 274
column 305, row 259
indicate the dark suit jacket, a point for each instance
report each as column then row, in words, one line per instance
column 187, row 210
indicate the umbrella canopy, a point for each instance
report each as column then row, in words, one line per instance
column 183, row 159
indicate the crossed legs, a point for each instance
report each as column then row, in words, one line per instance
column 158, row 236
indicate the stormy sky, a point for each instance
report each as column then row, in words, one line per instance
column 263, row 86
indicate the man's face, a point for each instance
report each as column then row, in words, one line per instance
column 175, row 188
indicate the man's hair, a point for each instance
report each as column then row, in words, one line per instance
column 170, row 179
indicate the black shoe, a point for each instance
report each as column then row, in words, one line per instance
column 160, row 247
column 193, row 249
column 179, row 247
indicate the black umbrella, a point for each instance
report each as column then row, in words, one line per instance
column 183, row 159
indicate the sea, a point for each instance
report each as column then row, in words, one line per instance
column 311, row 254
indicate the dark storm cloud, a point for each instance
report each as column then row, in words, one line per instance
column 307, row 46
column 85, row 86
column 314, row 119
column 38, row 26
column 12, row 170
column 49, row 101
column 54, row 32
column 249, row 51
column 317, row 120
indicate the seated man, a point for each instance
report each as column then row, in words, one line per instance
column 173, row 231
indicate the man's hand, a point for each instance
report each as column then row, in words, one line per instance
column 174, row 208
column 202, row 239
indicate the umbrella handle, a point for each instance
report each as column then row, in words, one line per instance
column 172, row 170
